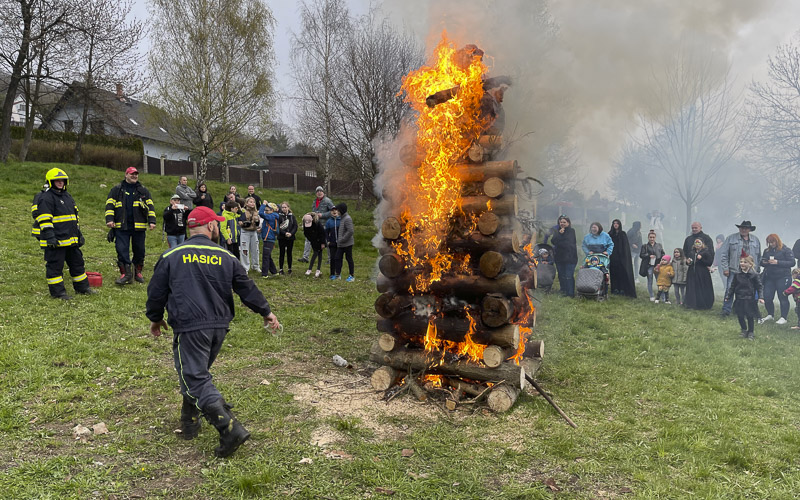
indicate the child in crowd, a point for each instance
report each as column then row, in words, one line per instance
column 664, row 274
column 315, row 235
column 230, row 228
column 794, row 291
column 681, row 268
column 745, row 287
column 269, row 231
column 545, row 270
column 331, row 237
column 248, row 248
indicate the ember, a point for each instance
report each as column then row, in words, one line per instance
column 454, row 278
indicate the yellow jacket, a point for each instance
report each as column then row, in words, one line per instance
column 665, row 274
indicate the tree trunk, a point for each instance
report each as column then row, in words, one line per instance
column 450, row 328
column 14, row 79
column 419, row 360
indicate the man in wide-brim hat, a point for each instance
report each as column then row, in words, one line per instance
column 735, row 247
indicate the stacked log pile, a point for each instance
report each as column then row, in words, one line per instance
column 467, row 329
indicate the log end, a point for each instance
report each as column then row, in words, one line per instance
column 391, row 228
column 502, row 397
column 383, row 378
column 488, row 223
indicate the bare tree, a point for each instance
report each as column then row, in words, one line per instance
column 211, row 69
column 105, row 46
column 774, row 108
column 376, row 59
column 316, row 53
column 691, row 132
column 561, row 171
column 23, row 23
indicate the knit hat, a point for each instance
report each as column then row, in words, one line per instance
column 342, row 208
column 666, row 257
column 319, row 188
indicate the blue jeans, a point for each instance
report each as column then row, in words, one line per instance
column 175, row 240
column 650, row 280
column 122, row 243
column 772, row 285
column 566, row 278
column 727, row 305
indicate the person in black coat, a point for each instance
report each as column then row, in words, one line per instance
column 777, row 261
column 699, row 288
column 315, row 235
column 565, row 247
column 203, row 198
column 745, row 288
column 287, row 228
column 621, row 265
column 635, row 239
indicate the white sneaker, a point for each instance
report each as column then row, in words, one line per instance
column 656, row 301
column 317, row 274
column 667, row 302
column 308, row 272
column 781, row 321
column 652, row 299
column 766, row 318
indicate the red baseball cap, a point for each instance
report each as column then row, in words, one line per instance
column 131, row 170
column 202, row 215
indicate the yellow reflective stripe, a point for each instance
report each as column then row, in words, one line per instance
column 36, row 230
column 118, row 204
column 34, row 208
column 54, row 281
column 150, row 213
column 44, row 217
column 140, row 225
column 206, row 247
column 64, row 218
column 79, row 278
column 45, row 225
column 109, row 212
column 111, row 201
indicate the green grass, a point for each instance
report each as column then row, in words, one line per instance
column 669, row 403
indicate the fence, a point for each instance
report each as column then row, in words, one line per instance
column 242, row 175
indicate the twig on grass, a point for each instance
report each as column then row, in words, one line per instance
column 550, row 400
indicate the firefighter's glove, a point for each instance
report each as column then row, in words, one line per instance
column 52, row 243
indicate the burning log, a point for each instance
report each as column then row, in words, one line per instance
column 391, row 229
column 482, row 149
column 490, row 223
column 461, row 386
column 445, row 95
column 506, row 205
column 494, row 187
column 494, row 355
column 449, row 328
column 493, row 263
column 507, row 242
column 502, row 397
column 388, row 305
column 391, row 265
column 505, row 170
column 467, row 287
column 497, row 310
column 430, row 362
column 411, row 155
column 383, row 378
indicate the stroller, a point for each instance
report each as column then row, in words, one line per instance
column 593, row 278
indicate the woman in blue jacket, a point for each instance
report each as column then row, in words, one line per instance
column 269, row 231
column 597, row 241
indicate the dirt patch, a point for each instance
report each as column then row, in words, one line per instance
column 347, row 394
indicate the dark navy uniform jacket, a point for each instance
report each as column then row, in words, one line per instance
column 196, row 281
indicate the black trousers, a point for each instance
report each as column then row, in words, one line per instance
column 54, row 269
column 341, row 254
column 750, row 322
column 773, row 286
column 123, row 242
column 315, row 254
column 194, row 353
column 285, row 246
column 267, row 264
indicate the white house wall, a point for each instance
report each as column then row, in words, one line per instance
column 156, row 149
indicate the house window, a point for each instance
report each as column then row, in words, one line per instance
column 311, row 173
column 68, row 125
column 97, row 127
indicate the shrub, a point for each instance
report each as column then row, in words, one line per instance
column 129, row 143
column 62, row 152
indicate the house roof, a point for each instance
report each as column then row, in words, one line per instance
column 130, row 116
column 294, row 152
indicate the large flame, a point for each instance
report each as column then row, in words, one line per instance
column 444, row 133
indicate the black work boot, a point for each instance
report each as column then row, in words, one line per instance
column 231, row 433
column 138, row 276
column 190, row 420
column 127, row 275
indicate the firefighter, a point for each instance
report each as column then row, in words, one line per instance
column 60, row 236
column 195, row 282
column 130, row 211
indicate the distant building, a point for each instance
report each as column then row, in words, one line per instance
column 293, row 161
column 116, row 115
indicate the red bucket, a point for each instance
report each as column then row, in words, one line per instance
column 95, row 279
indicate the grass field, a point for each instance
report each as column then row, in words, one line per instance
column 669, row 403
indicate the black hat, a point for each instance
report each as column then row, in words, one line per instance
column 342, row 208
column 746, row 224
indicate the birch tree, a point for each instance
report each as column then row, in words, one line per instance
column 211, row 73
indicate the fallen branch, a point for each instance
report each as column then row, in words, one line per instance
column 550, row 400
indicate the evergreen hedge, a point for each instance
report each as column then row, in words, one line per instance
column 129, row 143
